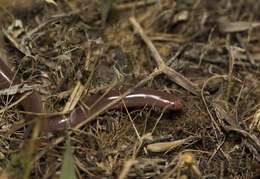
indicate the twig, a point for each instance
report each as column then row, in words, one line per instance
column 171, row 73
column 230, row 68
column 133, row 124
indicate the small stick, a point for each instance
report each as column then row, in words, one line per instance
column 171, row 73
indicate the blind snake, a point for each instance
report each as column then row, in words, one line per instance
column 141, row 97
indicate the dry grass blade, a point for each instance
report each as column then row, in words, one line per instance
column 82, row 167
column 16, row 44
column 126, row 168
column 181, row 48
column 231, row 68
column 165, row 146
column 205, row 103
column 169, row 146
column 74, row 98
column 238, row 26
column 137, row 4
column 16, row 102
column 171, row 73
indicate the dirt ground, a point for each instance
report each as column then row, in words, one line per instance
column 206, row 53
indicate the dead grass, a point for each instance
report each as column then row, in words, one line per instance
column 205, row 52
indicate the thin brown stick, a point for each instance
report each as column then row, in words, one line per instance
column 230, row 69
column 171, row 73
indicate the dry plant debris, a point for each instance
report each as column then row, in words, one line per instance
column 205, row 52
